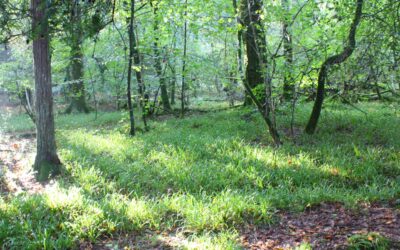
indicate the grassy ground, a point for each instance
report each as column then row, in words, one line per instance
column 203, row 176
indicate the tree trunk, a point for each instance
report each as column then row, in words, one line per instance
column 77, row 88
column 172, row 67
column 138, row 68
column 184, row 63
column 256, row 71
column 333, row 60
column 288, row 86
column 46, row 162
column 239, row 45
column 158, row 62
column 173, row 83
column 129, row 79
column 254, row 38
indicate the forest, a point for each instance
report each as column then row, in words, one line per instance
column 200, row 124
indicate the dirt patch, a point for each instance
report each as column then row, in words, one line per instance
column 327, row 226
column 148, row 240
column 17, row 152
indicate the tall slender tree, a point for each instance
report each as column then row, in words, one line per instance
column 138, row 67
column 158, row 60
column 130, row 62
column 288, row 86
column 183, row 89
column 46, row 162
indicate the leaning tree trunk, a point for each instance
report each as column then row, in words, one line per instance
column 158, row 62
column 333, row 60
column 257, row 62
column 77, row 88
column 46, row 162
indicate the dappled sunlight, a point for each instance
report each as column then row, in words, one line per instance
column 214, row 177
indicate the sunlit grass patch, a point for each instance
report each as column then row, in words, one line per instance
column 204, row 175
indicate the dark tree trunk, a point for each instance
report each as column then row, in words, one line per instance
column 395, row 43
column 288, row 86
column 173, row 83
column 129, row 79
column 138, row 69
column 256, row 62
column 336, row 59
column 254, row 38
column 158, row 62
column 46, row 162
column 77, row 88
column 173, row 79
column 184, row 63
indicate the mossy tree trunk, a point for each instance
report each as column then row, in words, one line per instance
column 256, row 70
column 77, row 86
column 254, row 39
column 46, row 162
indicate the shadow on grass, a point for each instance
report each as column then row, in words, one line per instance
column 202, row 174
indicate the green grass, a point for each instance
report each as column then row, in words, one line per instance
column 203, row 175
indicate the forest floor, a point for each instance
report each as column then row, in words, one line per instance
column 210, row 181
column 16, row 157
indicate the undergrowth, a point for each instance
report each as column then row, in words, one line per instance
column 203, row 175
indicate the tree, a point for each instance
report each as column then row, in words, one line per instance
column 183, row 89
column 288, row 86
column 333, row 60
column 158, row 60
column 254, row 38
column 46, row 161
column 256, row 70
column 80, row 20
column 138, row 67
column 75, row 69
column 130, row 61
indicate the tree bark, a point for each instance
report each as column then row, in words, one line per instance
column 46, row 162
column 288, row 86
column 173, row 83
column 138, row 68
column 184, row 63
column 129, row 79
column 158, row 62
column 77, row 88
column 254, row 38
column 239, row 45
column 333, row 60
column 256, row 71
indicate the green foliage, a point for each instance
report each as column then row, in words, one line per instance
column 204, row 175
column 260, row 93
column 370, row 241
